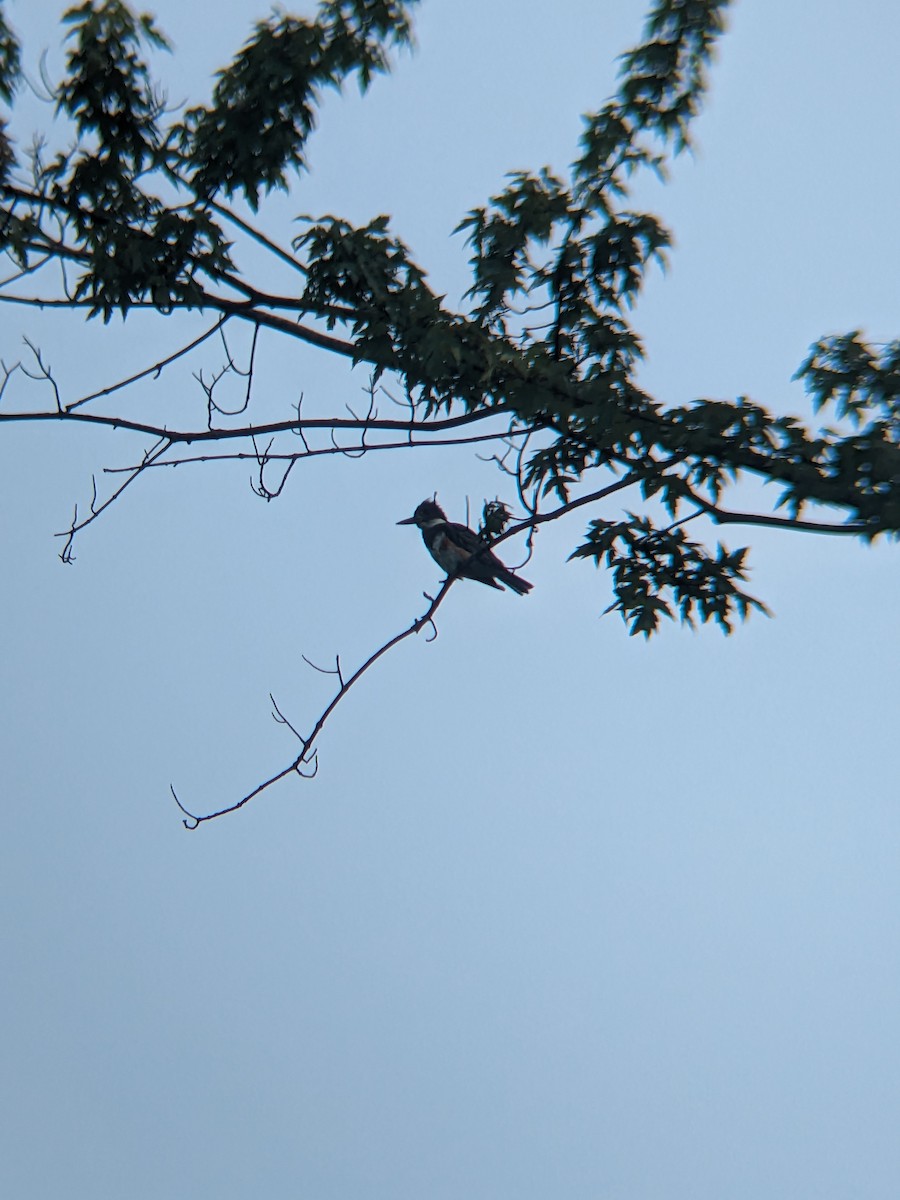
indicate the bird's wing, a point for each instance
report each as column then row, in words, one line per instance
column 463, row 537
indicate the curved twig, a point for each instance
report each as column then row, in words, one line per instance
column 425, row 621
column 308, row 755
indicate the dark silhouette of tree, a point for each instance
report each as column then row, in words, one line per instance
column 148, row 208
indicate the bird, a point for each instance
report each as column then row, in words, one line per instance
column 457, row 550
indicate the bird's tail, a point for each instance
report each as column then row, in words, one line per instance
column 514, row 582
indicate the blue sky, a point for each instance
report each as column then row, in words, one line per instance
column 645, row 942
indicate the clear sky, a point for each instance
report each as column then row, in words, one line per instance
column 638, row 936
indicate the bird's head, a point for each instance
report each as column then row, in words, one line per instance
column 428, row 513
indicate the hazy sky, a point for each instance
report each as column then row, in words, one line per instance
column 644, row 942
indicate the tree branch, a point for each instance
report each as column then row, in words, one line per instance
column 723, row 517
column 175, row 436
column 154, row 370
column 96, row 510
column 307, row 755
column 318, row 451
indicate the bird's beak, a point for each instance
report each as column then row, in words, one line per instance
column 407, row 521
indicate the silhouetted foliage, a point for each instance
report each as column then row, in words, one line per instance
column 146, row 207
column 135, row 207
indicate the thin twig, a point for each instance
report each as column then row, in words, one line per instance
column 156, row 370
column 97, row 510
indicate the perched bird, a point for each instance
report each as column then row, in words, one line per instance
column 455, row 548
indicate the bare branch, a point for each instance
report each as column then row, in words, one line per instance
column 97, row 510
column 425, row 621
column 723, row 517
column 282, row 720
column 156, row 370
column 247, row 431
column 43, row 372
column 313, row 452
column 306, row 756
column 8, row 373
column 257, row 235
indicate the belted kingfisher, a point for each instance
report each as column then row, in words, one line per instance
column 455, row 548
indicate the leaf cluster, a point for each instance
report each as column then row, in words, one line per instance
column 495, row 517
column 660, row 572
column 264, row 105
column 137, row 209
column 9, row 75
